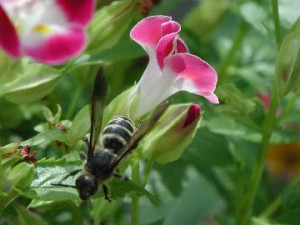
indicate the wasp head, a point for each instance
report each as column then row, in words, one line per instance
column 86, row 187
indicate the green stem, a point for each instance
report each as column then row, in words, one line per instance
column 276, row 22
column 272, row 208
column 229, row 56
column 147, row 172
column 75, row 214
column 245, row 211
column 135, row 169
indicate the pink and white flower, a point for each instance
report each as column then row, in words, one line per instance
column 48, row 31
column 171, row 67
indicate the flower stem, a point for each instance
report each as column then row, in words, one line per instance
column 276, row 22
column 245, row 211
column 75, row 214
column 135, row 169
column 147, row 172
column 229, row 56
column 272, row 208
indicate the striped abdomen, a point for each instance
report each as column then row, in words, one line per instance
column 117, row 133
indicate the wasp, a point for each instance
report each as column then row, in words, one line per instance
column 119, row 137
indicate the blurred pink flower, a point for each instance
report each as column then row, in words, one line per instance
column 171, row 67
column 48, row 31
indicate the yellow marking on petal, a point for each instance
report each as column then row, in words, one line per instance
column 42, row 29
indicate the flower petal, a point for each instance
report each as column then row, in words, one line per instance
column 170, row 27
column 57, row 47
column 149, row 30
column 168, row 44
column 77, row 11
column 9, row 39
column 192, row 74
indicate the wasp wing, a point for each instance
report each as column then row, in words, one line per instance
column 96, row 110
column 140, row 133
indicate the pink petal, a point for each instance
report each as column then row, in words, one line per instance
column 59, row 47
column 170, row 27
column 149, row 30
column 166, row 45
column 198, row 76
column 9, row 39
column 192, row 114
column 77, row 11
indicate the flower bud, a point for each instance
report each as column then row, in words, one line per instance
column 109, row 24
column 288, row 62
column 172, row 133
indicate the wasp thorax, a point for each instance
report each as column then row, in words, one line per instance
column 117, row 133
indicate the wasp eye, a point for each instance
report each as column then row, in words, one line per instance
column 86, row 187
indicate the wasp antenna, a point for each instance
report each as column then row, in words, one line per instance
column 63, row 185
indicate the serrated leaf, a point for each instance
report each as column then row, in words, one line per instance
column 48, row 172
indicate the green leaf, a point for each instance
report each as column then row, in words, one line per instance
column 118, row 189
column 210, row 149
column 123, row 50
column 257, row 16
column 50, row 171
column 199, row 200
column 235, row 103
column 231, row 127
column 80, row 126
column 21, row 175
column 36, row 82
column 9, row 154
column 26, row 217
column 45, row 137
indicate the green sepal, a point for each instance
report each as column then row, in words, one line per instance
column 168, row 139
column 109, row 24
column 49, row 116
column 123, row 105
column 36, row 82
column 287, row 68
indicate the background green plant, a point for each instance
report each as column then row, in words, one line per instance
column 220, row 179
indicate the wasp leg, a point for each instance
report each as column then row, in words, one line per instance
column 73, row 173
column 86, row 140
column 82, row 156
column 121, row 177
column 106, row 192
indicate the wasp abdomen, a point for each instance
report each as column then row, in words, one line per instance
column 117, row 133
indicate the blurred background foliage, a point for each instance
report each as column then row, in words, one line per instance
column 206, row 185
